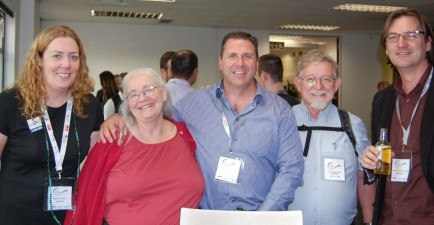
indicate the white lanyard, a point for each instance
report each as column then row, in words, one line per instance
column 406, row 132
column 59, row 156
column 226, row 127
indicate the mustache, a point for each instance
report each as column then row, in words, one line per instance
column 318, row 92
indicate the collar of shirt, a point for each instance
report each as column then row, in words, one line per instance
column 323, row 115
column 259, row 96
column 418, row 89
column 281, row 92
column 121, row 94
column 178, row 81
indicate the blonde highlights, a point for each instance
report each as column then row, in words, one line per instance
column 31, row 85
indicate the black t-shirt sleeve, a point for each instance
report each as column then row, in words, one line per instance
column 7, row 105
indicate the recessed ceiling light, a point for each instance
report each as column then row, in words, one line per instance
column 284, row 37
column 307, row 27
column 142, row 15
column 367, row 8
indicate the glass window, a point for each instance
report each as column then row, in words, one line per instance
column 2, row 35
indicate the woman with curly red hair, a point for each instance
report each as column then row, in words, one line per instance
column 49, row 120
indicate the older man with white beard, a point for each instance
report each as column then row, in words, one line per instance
column 333, row 178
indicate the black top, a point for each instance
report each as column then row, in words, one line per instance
column 24, row 159
column 288, row 98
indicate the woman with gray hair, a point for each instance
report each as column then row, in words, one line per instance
column 151, row 174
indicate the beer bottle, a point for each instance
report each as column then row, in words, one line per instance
column 384, row 166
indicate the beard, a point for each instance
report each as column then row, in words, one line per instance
column 319, row 105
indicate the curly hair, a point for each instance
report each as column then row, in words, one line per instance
column 31, row 85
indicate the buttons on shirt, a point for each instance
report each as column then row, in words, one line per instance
column 395, row 202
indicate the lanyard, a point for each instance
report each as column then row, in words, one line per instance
column 406, row 132
column 226, row 123
column 59, row 155
column 236, row 128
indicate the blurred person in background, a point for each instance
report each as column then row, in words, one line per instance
column 165, row 65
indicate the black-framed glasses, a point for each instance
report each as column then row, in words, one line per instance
column 325, row 80
column 409, row 35
column 148, row 90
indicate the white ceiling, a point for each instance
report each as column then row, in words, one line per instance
column 247, row 14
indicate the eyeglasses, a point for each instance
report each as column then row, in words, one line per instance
column 325, row 80
column 409, row 35
column 148, row 90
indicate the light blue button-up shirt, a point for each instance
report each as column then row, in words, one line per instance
column 178, row 88
column 264, row 135
column 328, row 202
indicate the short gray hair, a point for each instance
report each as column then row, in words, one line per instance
column 124, row 108
column 316, row 55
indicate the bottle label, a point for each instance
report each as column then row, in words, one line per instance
column 380, row 149
column 384, row 160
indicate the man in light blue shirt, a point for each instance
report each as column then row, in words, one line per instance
column 248, row 146
column 184, row 65
column 332, row 176
column 247, row 143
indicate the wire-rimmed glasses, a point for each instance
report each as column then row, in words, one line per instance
column 148, row 90
column 409, row 35
column 325, row 80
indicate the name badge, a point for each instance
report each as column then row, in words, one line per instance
column 400, row 170
column 34, row 124
column 58, row 194
column 60, row 198
column 334, row 169
column 228, row 169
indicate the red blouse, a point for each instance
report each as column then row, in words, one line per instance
column 138, row 183
column 151, row 182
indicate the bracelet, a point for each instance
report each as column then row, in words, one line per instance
column 370, row 223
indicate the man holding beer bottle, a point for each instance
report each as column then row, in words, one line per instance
column 406, row 109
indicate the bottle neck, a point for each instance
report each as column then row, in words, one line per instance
column 383, row 135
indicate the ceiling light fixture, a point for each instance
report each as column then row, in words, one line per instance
column 284, row 37
column 157, row 0
column 367, row 8
column 307, row 27
column 142, row 15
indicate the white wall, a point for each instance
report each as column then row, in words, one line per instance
column 122, row 47
column 361, row 70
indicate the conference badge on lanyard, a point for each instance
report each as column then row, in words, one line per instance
column 401, row 166
column 228, row 169
column 58, row 193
